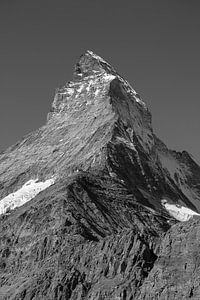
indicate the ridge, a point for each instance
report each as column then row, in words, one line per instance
column 92, row 77
column 90, row 64
column 88, row 199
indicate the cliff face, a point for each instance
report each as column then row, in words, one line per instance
column 87, row 200
column 175, row 274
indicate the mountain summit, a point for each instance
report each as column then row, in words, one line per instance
column 90, row 64
column 93, row 205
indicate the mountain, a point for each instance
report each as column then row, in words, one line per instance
column 93, row 205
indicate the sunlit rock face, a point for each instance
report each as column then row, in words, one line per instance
column 81, row 199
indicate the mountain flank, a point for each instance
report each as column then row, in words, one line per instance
column 93, row 205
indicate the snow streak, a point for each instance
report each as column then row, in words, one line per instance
column 27, row 192
column 179, row 212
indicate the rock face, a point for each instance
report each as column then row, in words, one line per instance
column 175, row 274
column 91, row 202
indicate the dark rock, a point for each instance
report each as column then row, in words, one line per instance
column 175, row 274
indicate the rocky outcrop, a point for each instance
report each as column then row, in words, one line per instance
column 99, row 230
column 175, row 274
column 78, row 240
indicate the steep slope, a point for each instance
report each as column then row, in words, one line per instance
column 175, row 274
column 86, row 199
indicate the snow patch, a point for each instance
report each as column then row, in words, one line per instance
column 79, row 90
column 96, row 92
column 68, row 92
column 89, row 85
column 27, row 192
column 137, row 99
column 109, row 77
column 96, row 56
column 179, row 212
column 128, row 143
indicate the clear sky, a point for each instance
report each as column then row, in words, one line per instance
column 154, row 44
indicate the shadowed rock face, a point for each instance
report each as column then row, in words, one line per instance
column 100, row 230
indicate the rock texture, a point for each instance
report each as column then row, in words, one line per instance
column 176, row 273
column 100, row 230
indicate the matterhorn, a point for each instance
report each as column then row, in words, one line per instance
column 93, row 205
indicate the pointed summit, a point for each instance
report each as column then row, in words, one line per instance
column 91, row 64
column 93, row 79
column 93, row 179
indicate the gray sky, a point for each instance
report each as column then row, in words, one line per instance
column 154, row 44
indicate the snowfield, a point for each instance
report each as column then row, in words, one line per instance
column 27, row 192
column 179, row 212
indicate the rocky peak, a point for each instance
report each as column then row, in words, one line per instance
column 98, row 90
column 91, row 64
column 92, row 77
column 85, row 200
